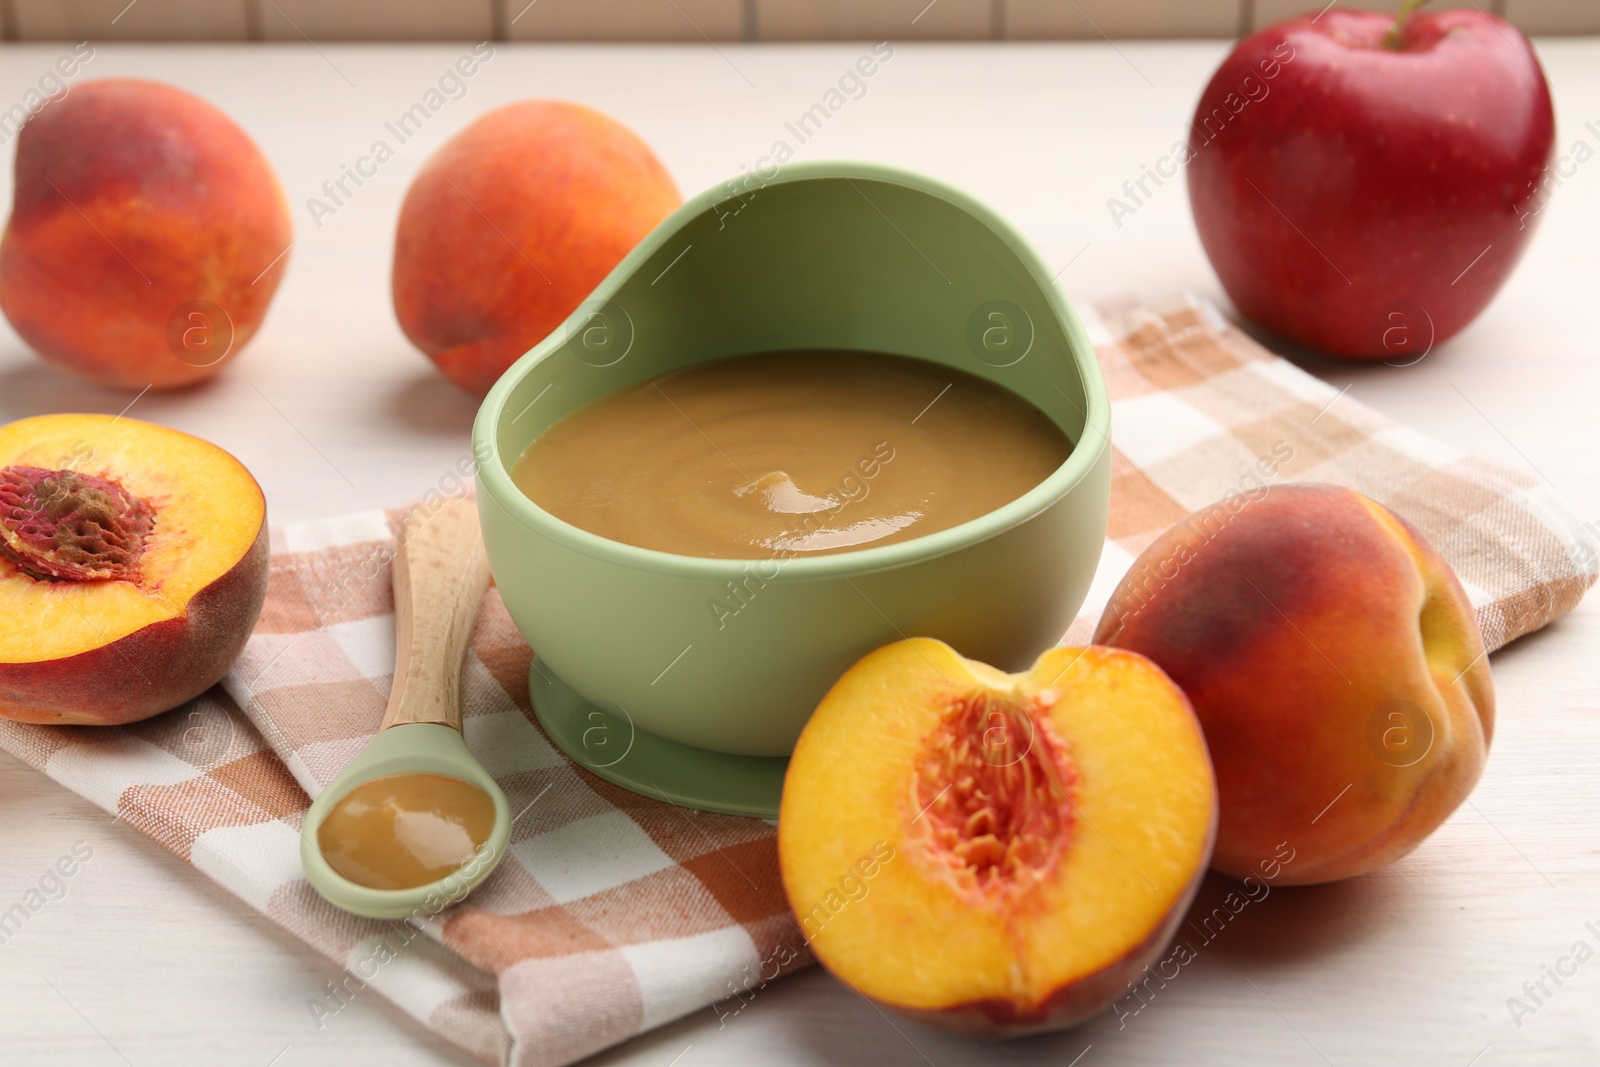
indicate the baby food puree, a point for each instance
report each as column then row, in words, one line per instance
column 790, row 453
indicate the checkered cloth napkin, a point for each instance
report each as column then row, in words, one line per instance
column 614, row 913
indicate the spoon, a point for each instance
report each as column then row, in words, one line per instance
column 440, row 575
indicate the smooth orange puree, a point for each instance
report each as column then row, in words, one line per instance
column 790, row 453
column 405, row 830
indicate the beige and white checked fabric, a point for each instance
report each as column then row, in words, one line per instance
column 1199, row 410
column 615, row 913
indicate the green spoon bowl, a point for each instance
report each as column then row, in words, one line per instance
column 412, row 748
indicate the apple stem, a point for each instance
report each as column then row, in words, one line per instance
column 1407, row 7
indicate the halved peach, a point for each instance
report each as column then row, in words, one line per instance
column 996, row 853
column 133, row 565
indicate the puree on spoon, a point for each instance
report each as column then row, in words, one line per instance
column 406, row 830
column 790, row 453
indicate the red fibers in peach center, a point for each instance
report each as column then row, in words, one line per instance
column 993, row 788
column 65, row 526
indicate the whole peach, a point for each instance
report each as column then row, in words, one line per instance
column 147, row 235
column 1335, row 665
column 511, row 224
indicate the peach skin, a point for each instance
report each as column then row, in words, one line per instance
column 511, row 224
column 1335, row 664
column 147, row 236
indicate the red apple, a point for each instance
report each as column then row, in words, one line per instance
column 1364, row 183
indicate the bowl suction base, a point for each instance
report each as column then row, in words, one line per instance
column 609, row 745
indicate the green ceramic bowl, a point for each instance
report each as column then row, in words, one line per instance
column 640, row 675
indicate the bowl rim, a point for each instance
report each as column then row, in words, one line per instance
column 494, row 476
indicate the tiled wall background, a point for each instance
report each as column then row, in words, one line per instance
column 700, row 20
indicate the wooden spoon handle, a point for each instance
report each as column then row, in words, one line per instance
column 440, row 575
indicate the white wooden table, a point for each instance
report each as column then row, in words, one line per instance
column 145, row 961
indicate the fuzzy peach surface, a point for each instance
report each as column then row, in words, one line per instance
column 511, row 224
column 1314, row 630
column 133, row 199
